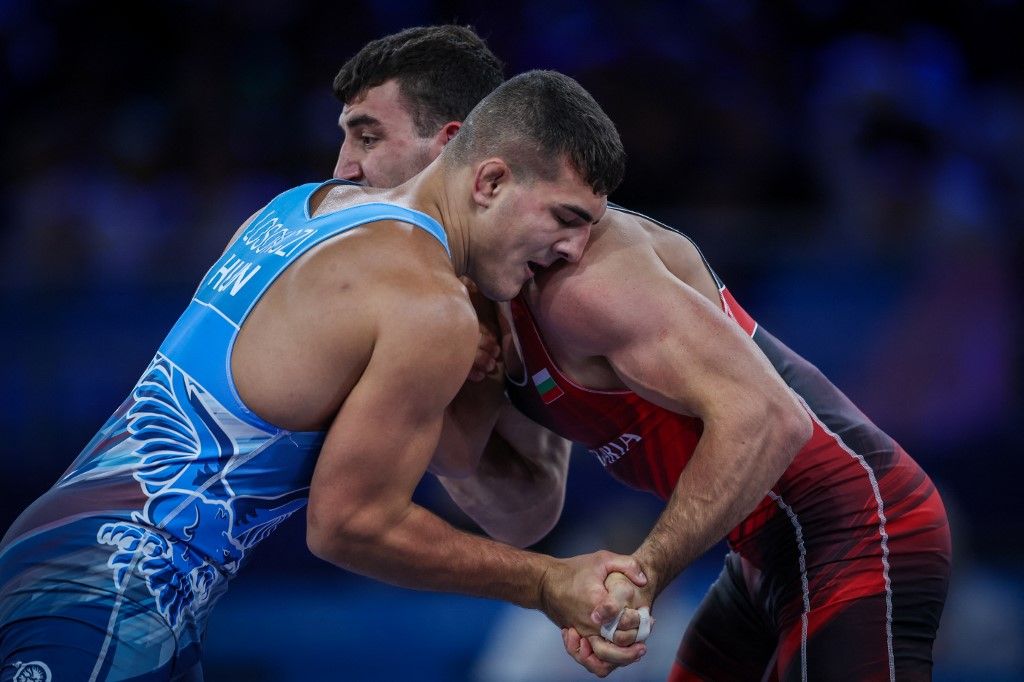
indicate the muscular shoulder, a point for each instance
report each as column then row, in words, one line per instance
column 385, row 257
column 640, row 240
column 440, row 310
column 429, row 335
column 631, row 277
column 378, row 277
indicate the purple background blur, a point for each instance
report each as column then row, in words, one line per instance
column 853, row 170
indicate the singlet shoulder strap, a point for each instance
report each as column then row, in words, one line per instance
column 382, row 211
column 282, row 232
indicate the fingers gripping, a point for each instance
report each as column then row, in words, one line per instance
column 646, row 623
column 580, row 650
column 609, row 628
column 628, row 566
column 615, row 596
column 625, row 636
column 621, row 624
column 620, row 593
column 487, row 353
column 614, row 654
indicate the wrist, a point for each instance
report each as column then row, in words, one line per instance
column 542, row 592
column 652, row 569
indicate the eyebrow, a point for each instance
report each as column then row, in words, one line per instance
column 361, row 120
column 581, row 213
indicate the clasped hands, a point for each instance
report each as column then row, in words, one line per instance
column 584, row 593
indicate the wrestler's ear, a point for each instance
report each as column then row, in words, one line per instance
column 491, row 176
column 443, row 136
column 447, row 132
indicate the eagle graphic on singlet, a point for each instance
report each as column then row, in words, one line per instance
column 189, row 456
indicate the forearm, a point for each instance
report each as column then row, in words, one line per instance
column 468, row 422
column 517, row 492
column 421, row 551
column 511, row 498
column 732, row 469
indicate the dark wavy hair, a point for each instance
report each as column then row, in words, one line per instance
column 442, row 72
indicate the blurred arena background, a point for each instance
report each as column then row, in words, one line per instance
column 853, row 170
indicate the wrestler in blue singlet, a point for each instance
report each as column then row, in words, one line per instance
column 112, row 573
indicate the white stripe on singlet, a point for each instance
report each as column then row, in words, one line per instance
column 112, row 623
column 881, row 532
column 804, row 588
column 218, row 311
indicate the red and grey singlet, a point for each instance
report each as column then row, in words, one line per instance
column 852, row 524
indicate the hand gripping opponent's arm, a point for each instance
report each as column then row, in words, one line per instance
column 361, row 516
column 672, row 346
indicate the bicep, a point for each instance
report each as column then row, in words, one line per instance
column 385, row 433
column 675, row 348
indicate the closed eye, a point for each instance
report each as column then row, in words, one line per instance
column 570, row 221
column 570, row 215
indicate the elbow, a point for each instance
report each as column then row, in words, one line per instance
column 548, row 509
column 317, row 546
column 793, row 427
column 530, row 535
column 533, row 526
column 523, row 537
column 454, row 467
column 321, row 534
column 523, row 525
column 338, row 534
column 515, row 538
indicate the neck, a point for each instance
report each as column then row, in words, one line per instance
column 430, row 191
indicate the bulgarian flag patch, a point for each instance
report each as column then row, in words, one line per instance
column 546, row 386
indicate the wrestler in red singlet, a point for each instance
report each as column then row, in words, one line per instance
column 840, row 572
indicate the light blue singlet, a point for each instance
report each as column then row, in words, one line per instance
column 125, row 556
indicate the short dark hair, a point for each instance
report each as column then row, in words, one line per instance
column 442, row 72
column 537, row 118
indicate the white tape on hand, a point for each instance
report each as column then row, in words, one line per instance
column 608, row 629
column 644, row 631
